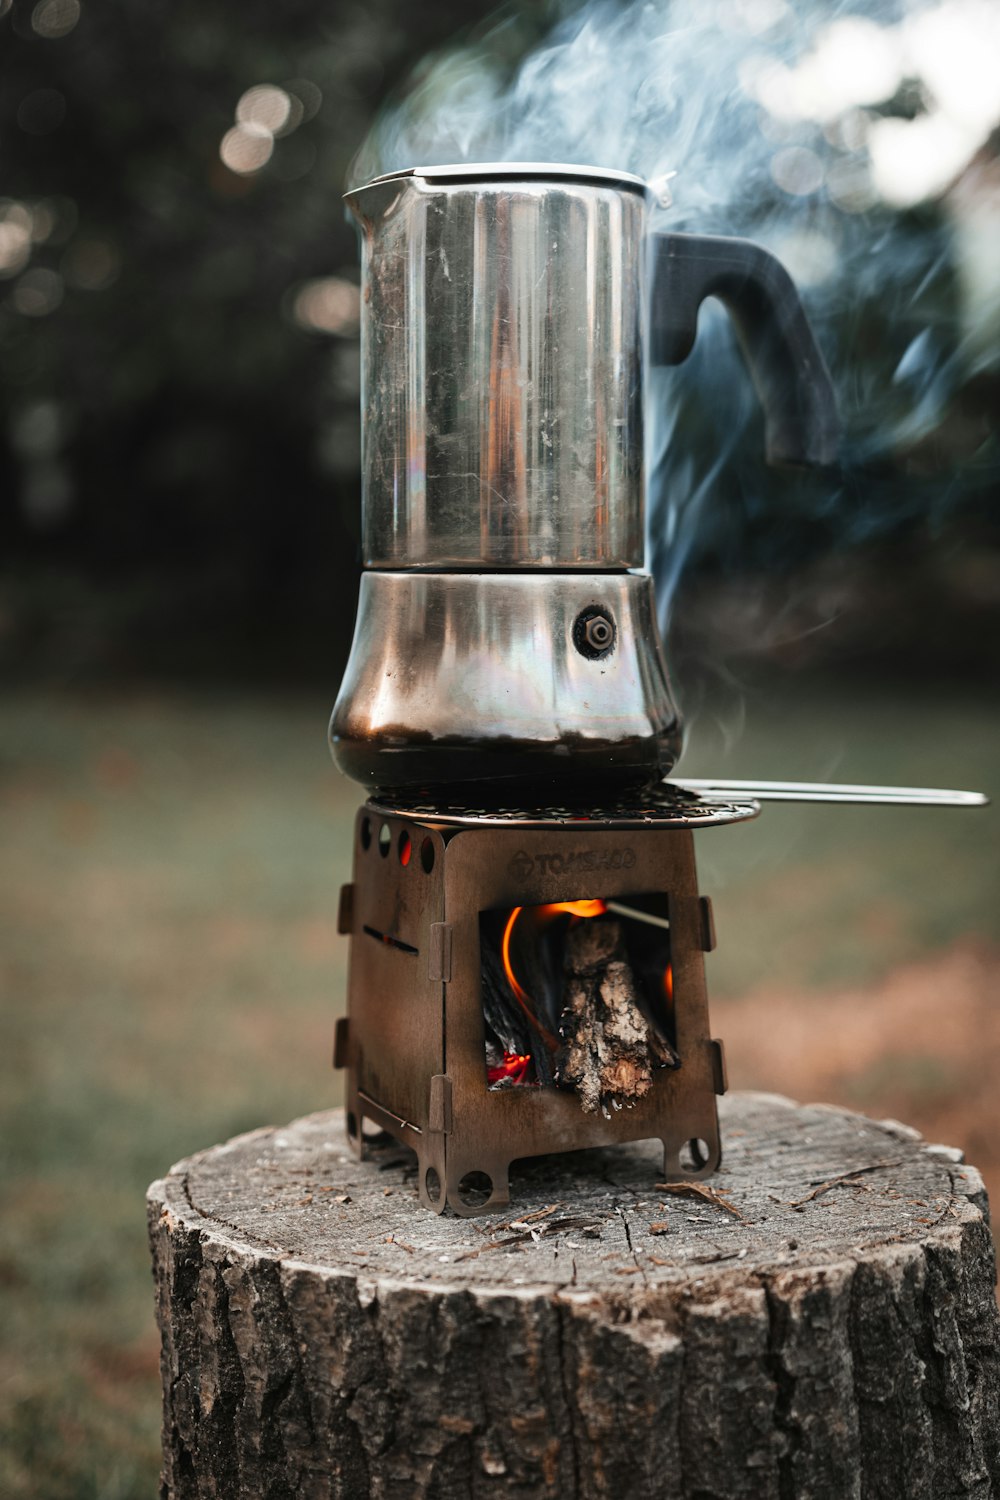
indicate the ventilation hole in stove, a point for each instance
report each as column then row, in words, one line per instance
column 391, row 942
column 694, row 1155
column 475, row 1189
column 432, row 1185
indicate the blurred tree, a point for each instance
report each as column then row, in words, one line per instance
column 178, row 474
column 178, row 415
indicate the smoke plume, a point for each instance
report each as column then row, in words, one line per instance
column 856, row 141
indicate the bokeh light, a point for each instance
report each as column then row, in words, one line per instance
column 948, row 53
column 264, row 113
column 797, row 171
column 91, row 264
column 855, row 61
column 328, row 305
column 16, row 225
column 268, row 107
column 38, row 292
column 916, row 159
column 246, row 148
column 55, row 18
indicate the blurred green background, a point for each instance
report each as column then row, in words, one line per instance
column 179, row 509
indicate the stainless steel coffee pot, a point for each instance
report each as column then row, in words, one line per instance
column 506, row 641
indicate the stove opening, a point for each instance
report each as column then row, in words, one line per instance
column 579, row 995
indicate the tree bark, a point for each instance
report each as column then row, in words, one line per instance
column 816, row 1323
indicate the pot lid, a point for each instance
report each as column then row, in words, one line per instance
column 515, row 171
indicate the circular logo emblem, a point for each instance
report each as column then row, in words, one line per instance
column 522, row 865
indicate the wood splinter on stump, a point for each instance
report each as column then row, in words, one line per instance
column 825, row 1329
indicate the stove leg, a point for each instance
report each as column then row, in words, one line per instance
column 472, row 1191
column 432, row 1176
column 355, row 1122
column 691, row 1161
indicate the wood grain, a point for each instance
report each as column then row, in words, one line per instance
column 836, row 1337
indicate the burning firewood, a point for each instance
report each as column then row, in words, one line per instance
column 610, row 1050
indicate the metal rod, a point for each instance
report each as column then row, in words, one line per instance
column 826, row 791
column 620, row 910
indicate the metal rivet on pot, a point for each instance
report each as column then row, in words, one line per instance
column 594, row 633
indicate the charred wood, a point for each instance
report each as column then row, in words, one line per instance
column 610, row 1050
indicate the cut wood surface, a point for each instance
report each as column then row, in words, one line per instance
column 816, row 1322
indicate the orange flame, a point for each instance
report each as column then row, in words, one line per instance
column 543, row 914
column 520, row 994
column 575, row 909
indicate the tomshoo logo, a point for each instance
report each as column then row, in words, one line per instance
column 524, row 865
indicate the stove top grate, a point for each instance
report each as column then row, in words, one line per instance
column 662, row 807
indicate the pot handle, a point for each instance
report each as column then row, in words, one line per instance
column 785, row 362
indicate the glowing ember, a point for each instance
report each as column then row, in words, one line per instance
column 514, row 1066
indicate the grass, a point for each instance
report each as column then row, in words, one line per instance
column 819, row 894
column 170, row 973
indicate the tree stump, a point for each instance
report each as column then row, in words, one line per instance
column 817, row 1321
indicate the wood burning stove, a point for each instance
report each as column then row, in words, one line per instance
column 530, row 981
